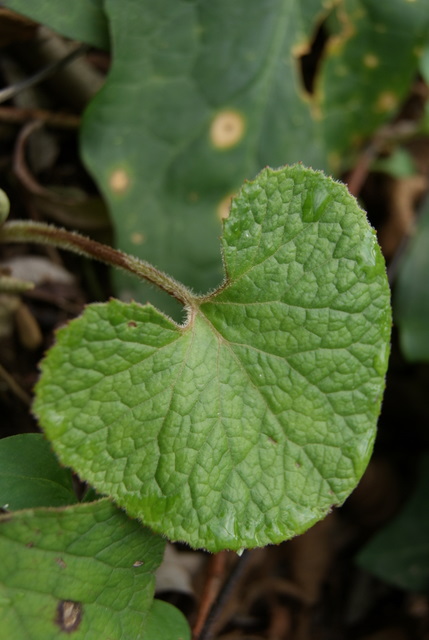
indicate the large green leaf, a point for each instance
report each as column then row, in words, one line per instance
column 30, row 475
column 399, row 554
column 411, row 301
column 247, row 423
column 84, row 571
column 200, row 96
column 84, row 19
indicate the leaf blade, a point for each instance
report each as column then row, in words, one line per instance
column 398, row 554
column 197, row 74
column 86, row 570
column 86, row 22
column 411, row 301
column 30, row 475
column 244, row 426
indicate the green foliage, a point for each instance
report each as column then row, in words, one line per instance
column 411, row 302
column 30, row 475
column 247, row 423
column 85, row 570
column 399, row 164
column 84, row 19
column 372, row 59
column 208, row 101
column 400, row 553
column 165, row 622
column 215, row 93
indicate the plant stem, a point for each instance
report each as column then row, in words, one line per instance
column 207, row 631
column 14, row 386
column 18, row 115
column 12, row 91
column 214, row 579
column 39, row 232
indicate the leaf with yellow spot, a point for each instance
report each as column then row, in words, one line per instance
column 200, row 96
column 368, row 68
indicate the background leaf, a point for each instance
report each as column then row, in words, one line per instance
column 213, row 94
column 166, row 619
column 201, row 96
column 204, row 73
column 370, row 63
column 411, row 301
column 84, row 19
column 399, row 554
column 30, row 475
column 84, row 571
column 244, row 426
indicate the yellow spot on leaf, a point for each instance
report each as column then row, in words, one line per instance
column 371, row 61
column 227, row 129
column 341, row 71
column 386, row 102
column 119, row 181
column 380, row 27
column 334, row 160
column 356, row 139
column 336, row 46
column 224, row 206
column 137, row 238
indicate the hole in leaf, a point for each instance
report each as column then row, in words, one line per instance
column 308, row 62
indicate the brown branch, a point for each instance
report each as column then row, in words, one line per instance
column 14, row 386
column 17, row 115
column 385, row 137
column 213, row 583
column 216, row 608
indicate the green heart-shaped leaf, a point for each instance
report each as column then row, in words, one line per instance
column 248, row 423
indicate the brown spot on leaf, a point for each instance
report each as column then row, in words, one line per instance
column 227, row 129
column 138, row 563
column 371, row 61
column 131, row 323
column 137, row 237
column 69, row 615
column 119, row 181
column 60, row 562
column 386, row 101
